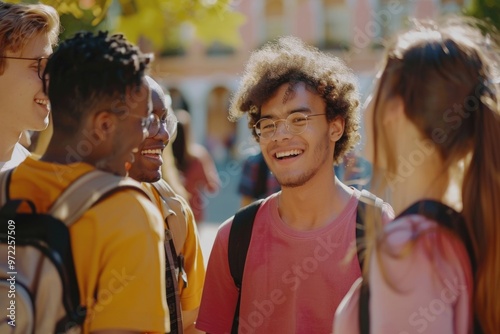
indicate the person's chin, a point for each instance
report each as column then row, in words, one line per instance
column 151, row 176
column 40, row 126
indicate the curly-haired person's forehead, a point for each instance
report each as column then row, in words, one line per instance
column 288, row 60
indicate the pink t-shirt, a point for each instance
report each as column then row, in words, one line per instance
column 431, row 283
column 293, row 280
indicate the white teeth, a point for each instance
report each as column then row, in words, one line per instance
column 42, row 102
column 288, row 153
column 155, row 151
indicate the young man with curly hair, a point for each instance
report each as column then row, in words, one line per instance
column 303, row 110
column 27, row 35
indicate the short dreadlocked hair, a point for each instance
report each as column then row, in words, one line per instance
column 290, row 60
column 88, row 70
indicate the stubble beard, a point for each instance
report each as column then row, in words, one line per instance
column 321, row 155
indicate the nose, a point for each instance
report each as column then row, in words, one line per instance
column 281, row 129
column 162, row 134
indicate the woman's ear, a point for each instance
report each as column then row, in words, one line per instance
column 337, row 128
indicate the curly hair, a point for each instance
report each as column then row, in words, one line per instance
column 290, row 60
column 19, row 23
column 89, row 69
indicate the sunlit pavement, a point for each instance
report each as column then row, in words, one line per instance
column 220, row 206
column 208, row 231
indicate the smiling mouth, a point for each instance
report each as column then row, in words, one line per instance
column 288, row 154
column 42, row 102
column 152, row 152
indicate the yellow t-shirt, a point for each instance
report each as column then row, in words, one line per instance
column 194, row 266
column 117, row 249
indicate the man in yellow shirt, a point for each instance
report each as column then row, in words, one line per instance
column 181, row 235
column 101, row 108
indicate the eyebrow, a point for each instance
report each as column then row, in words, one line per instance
column 304, row 110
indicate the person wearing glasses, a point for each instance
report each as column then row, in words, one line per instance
column 101, row 111
column 185, row 267
column 27, row 35
column 302, row 106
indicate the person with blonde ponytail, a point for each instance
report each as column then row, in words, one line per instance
column 434, row 125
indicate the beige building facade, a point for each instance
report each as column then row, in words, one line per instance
column 202, row 78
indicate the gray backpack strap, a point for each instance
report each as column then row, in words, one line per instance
column 87, row 190
column 369, row 198
column 4, row 185
column 174, row 214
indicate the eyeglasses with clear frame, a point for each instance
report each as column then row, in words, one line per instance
column 170, row 122
column 41, row 63
column 295, row 123
column 145, row 123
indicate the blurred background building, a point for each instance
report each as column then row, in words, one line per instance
column 201, row 47
column 202, row 77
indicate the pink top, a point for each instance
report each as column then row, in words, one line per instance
column 201, row 176
column 431, row 283
column 293, row 280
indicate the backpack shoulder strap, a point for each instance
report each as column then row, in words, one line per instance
column 4, row 185
column 86, row 191
column 174, row 213
column 444, row 216
column 239, row 240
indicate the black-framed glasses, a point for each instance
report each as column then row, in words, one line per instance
column 170, row 122
column 41, row 63
column 295, row 123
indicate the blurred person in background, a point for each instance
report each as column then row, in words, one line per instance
column 256, row 180
column 196, row 166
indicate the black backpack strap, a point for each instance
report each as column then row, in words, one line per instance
column 4, row 185
column 444, row 216
column 239, row 240
column 453, row 221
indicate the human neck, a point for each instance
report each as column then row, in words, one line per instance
column 313, row 204
column 62, row 150
column 8, row 140
column 429, row 180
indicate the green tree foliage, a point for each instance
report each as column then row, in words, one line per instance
column 488, row 10
column 158, row 22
